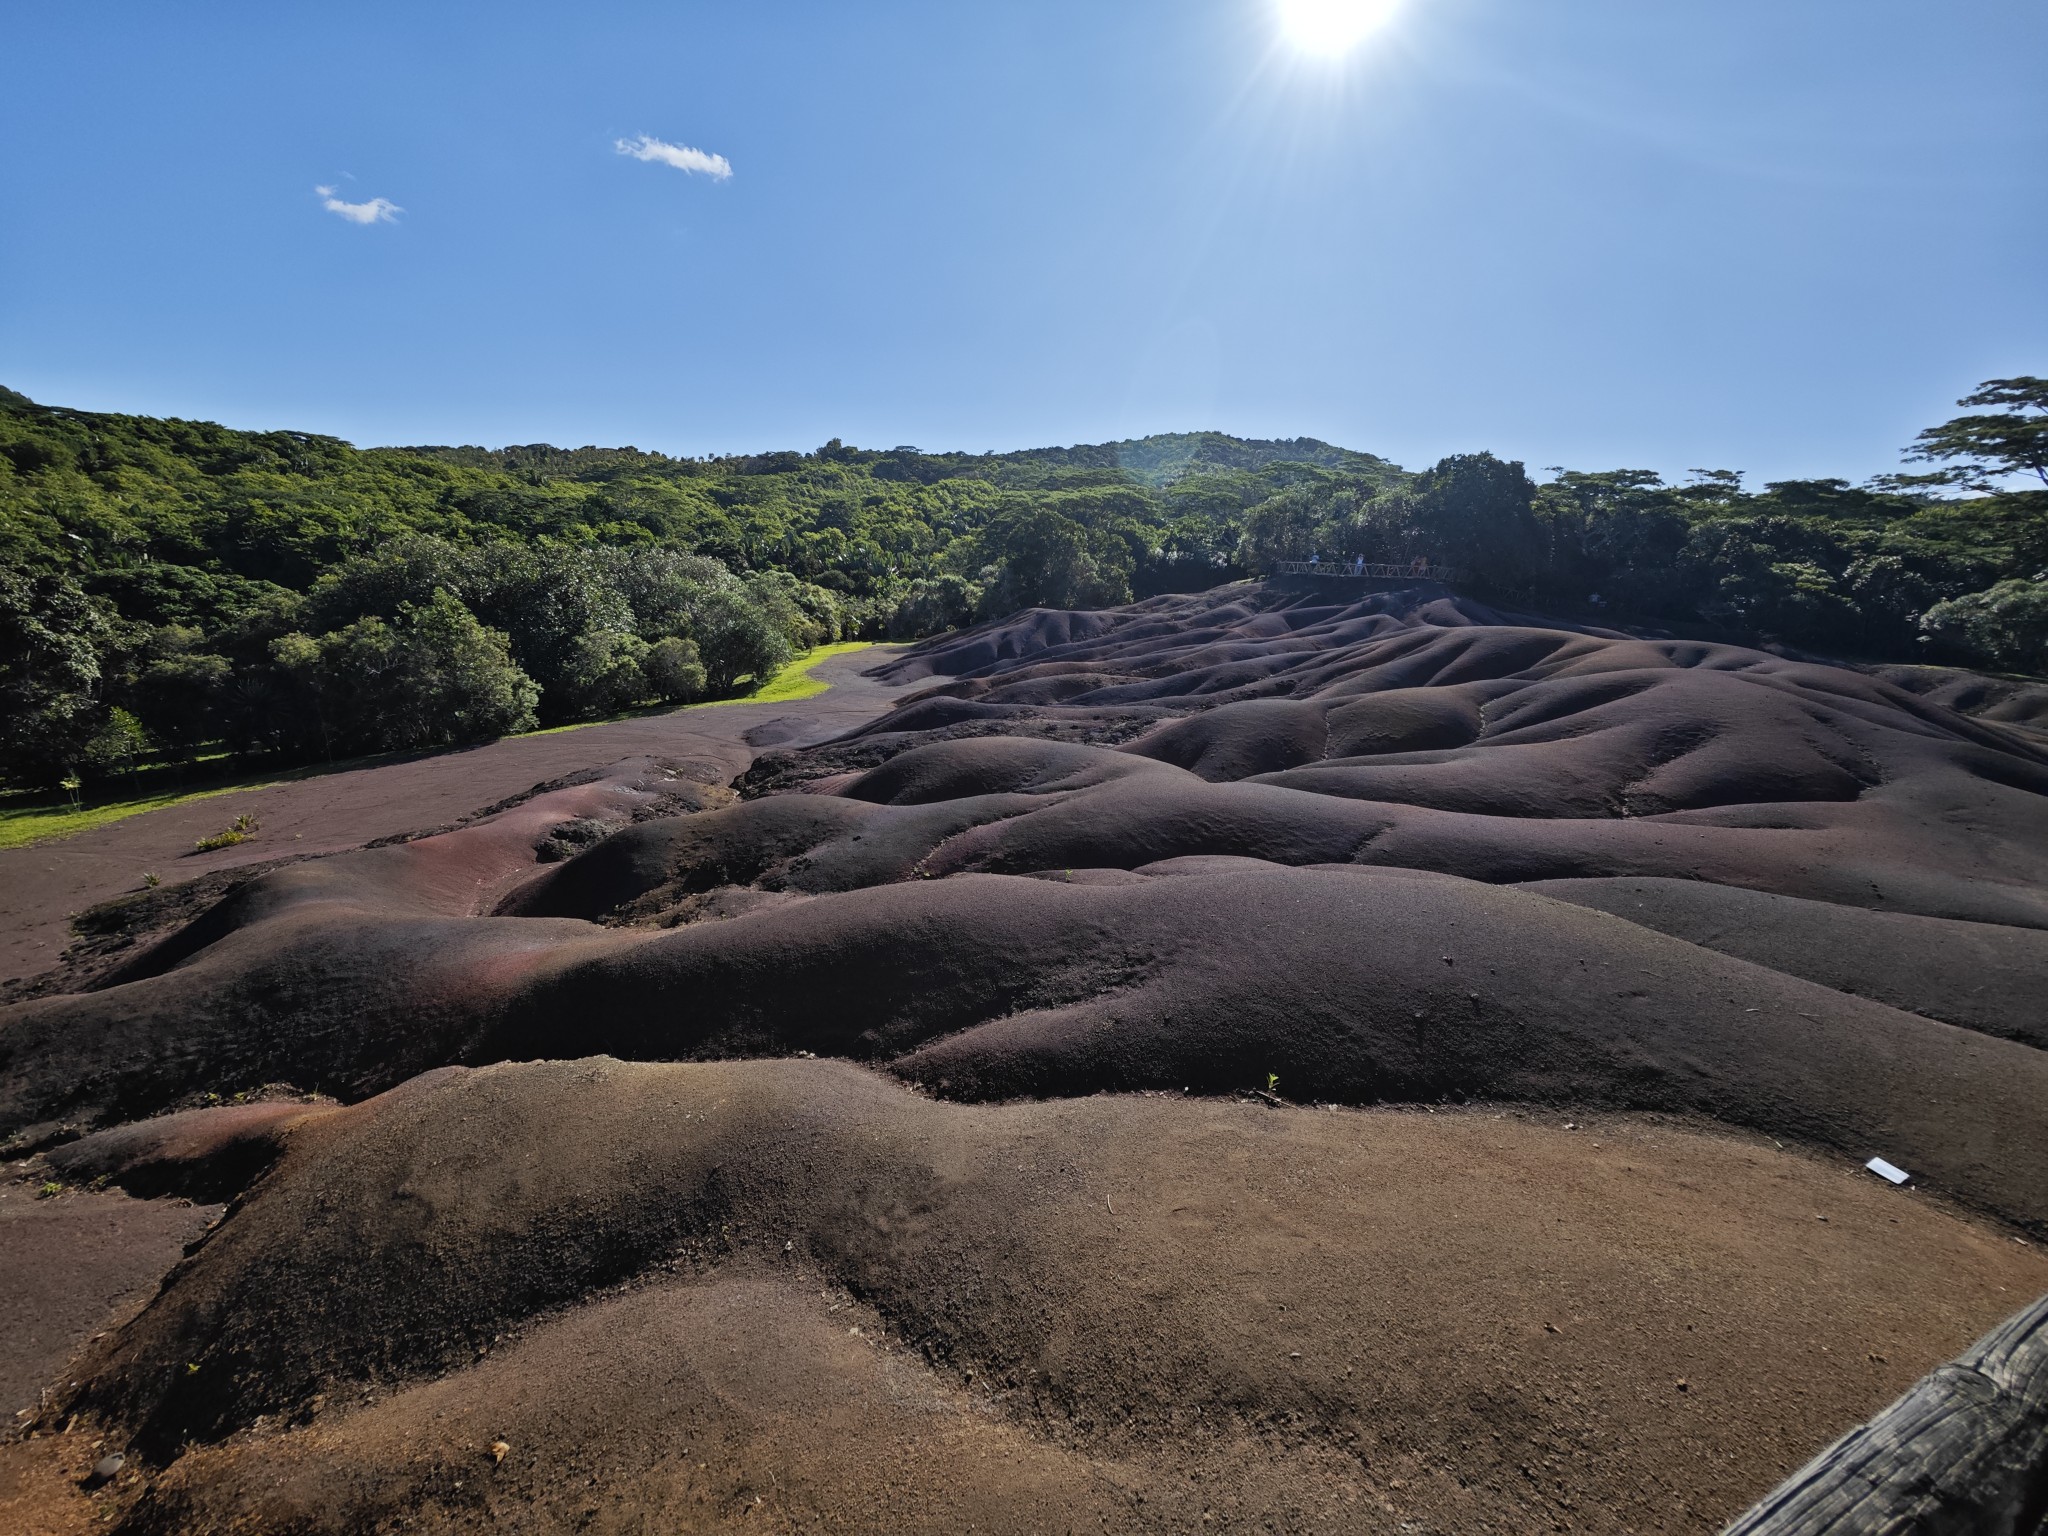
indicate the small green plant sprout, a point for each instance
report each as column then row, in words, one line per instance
column 1273, row 1083
column 237, row 831
column 49, row 1188
column 151, row 881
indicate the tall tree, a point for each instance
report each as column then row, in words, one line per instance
column 1992, row 445
column 50, row 708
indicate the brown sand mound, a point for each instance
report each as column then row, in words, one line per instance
column 1352, row 985
column 1979, row 975
column 1590, row 758
column 1401, row 849
column 843, row 1299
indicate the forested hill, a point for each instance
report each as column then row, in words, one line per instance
column 1166, row 457
column 170, row 587
column 284, row 507
column 1155, row 461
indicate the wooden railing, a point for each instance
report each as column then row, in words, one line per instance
column 1410, row 570
column 1964, row 1453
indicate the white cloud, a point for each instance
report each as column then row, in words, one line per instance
column 378, row 210
column 681, row 156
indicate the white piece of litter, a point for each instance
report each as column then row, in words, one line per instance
column 1885, row 1170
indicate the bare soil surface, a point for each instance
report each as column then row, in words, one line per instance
column 683, row 1296
column 43, row 886
column 72, row 1265
column 1302, row 1064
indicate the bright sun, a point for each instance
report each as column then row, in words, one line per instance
column 1332, row 27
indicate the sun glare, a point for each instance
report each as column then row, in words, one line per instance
column 1332, row 28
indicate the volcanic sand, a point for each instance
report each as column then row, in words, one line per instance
column 43, row 885
column 1141, row 911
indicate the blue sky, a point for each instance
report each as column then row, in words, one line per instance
column 1776, row 237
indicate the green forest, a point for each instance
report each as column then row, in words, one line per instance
column 176, row 593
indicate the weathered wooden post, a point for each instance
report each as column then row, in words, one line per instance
column 1963, row 1453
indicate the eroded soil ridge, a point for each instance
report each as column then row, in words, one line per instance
column 1392, row 850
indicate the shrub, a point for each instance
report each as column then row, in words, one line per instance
column 118, row 742
column 2005, row 627
column 809, row 615
column 599, row 673
column 674, row 671
column 240, row 830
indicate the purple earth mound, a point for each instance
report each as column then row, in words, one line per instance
column 1300, row 1058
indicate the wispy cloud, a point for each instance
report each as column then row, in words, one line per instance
column 378, row 210
column 681, row 156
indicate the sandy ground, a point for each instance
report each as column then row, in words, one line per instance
column 73, row 1266
column 70, row 1266
column 855, row 1308
column 42, row 886
column 1383, row 1068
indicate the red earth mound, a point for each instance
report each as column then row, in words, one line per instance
column 1393, row 850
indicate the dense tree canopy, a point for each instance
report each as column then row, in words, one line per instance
column 179, row 588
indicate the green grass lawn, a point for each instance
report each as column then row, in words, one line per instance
column 795, row 681
column 792, row 682
column 39, row 818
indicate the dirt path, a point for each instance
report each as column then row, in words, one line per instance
column 73, row 1265
column 41, row 887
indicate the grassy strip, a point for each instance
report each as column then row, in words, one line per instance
column 795, row 681
column 792, row 682
column 24, row 824
column 45, row 820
